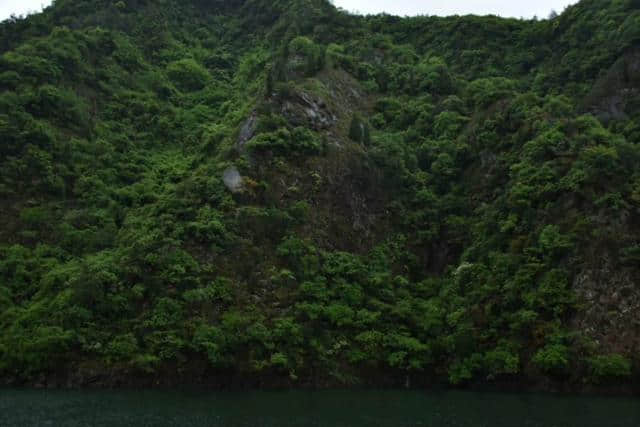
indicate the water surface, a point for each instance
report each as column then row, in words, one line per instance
column 22, row 408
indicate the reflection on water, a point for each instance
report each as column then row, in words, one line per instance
column 306, row 408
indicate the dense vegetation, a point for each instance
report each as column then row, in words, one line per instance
column 278, row 192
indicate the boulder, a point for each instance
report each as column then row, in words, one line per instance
column 233, row 180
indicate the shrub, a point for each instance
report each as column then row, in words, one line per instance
column 500, row 361
column 283, row 141
column 305, row 56
column 608, row 367
column 188, row 75
column 484, row 92
column 552, row 358
column 434, row 76
column 122, row 347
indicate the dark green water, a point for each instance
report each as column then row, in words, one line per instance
column 330, row 408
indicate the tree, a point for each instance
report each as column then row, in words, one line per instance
column 188, row 75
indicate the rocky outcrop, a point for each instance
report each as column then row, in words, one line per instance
column 610, row 300
column 233, row 180
column 306, row 109
column 617, row 89
column 247, row 131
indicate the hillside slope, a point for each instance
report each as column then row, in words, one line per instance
column 280, row 193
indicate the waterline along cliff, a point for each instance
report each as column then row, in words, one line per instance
column 279, row 193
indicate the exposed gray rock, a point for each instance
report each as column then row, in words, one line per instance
column 306, row 110
column 248, row 130
column 610, row 299
column 233, row 180
column 612, row 93
column 295, row 67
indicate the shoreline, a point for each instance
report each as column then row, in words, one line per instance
column 261, row 384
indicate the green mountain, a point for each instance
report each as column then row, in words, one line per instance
column 279, row 193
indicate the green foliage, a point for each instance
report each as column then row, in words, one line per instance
column 433, row 199
column 462, row 370
column 284, row 141
column 434, row 76
column 608, row 367
column 484, row 92
column 122, row 347
column 187, row 74
column 305, row 56
column 553, row 358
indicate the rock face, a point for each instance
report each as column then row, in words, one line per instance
column 247, row 131
column 233, row 180
column 617, row 89
column 304, row 109
column 611, row 305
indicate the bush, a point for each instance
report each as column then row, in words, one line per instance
column 462, row 370
column 283, row 141
column 501, row 361
column 609, row 367
column 122, row 347
column 484, row 92
column 336, row 57
column 552, row 358
column 305, row 56
column 188, row 75
column 448, row 124
column 434, row 76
